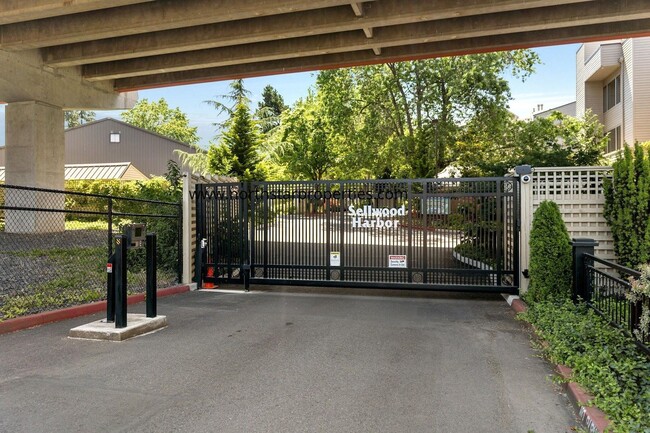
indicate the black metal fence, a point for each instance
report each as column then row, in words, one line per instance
column 430, row 234
column 607, row 288
column 54, row 246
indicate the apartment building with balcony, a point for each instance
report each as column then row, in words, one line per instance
column 613, row 80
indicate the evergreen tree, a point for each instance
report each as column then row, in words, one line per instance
column 269, row 109
column 550, row 255
column 627, row 206
column 237, row 154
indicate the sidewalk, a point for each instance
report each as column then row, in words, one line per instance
column 286, row 362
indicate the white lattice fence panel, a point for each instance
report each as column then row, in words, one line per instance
column 573, row 185
column 578, row 192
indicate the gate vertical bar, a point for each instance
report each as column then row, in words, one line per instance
column 244, row 259
column 253, row 225
column 409, row 257
column 229, row 215
column 516, row 227
column 500, row 229
column 200, row 230
column 342, row 234
column 266, row 230
column 328, row 226
column 179, row 247
column 425, row 215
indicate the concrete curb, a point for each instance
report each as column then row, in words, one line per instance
column 20, row 323
column 594, row 418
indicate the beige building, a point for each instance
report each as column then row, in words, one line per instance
column 613, row 80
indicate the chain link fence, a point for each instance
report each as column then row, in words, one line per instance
column 54, row 246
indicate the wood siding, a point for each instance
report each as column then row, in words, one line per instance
column 641, row 89
column 627, row 132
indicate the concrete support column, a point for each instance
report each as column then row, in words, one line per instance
column 35, row 157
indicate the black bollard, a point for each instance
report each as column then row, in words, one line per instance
column 110, row 290
column 581, row 286
column 119, row 271
column 152, row 303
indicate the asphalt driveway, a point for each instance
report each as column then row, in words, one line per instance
column 286, row 362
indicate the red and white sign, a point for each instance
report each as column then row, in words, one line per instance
column 397, row 261
column 109, row 268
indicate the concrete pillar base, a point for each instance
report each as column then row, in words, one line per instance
column 35, row 157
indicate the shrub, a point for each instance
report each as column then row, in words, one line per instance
column 157, row 188
column 604, row 361
column 550, row 255
column 627, row 206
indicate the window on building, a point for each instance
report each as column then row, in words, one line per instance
column 614, row 142
column 114, row 137
column 612, row 93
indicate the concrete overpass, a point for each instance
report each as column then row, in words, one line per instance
column 90, row 54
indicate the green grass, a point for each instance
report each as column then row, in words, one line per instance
column 86, row 225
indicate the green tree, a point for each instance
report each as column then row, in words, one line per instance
column 305, row 147
column 269, row 109
column 227, row 103
column 556, row 141
column 404, row 119
column 77, row 117
column 550, row 255
column 627, row 206
column 237, row 154
column 158, row 117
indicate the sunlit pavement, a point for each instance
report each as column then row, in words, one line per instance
column 288, row 362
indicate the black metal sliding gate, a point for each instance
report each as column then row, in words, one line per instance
column 429, row 234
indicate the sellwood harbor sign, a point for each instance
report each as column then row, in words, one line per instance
column 375, row 217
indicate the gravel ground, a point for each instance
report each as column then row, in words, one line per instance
column 13, row 242
column 24, row 274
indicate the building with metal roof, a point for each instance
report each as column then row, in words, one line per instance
column 110, row 141
column 108, row 171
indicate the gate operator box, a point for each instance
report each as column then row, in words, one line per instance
column 135, row 235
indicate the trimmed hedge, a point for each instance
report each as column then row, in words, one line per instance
column 157, row 188
column 627, row 206
column 550, row 255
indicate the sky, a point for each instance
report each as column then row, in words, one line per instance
column 552, row 85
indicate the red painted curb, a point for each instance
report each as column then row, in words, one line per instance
column 595, row 419
column 32, row 320
column 591, row 415
column 519, row 306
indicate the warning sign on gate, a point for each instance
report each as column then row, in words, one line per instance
column 335, row 258
column 397, row 261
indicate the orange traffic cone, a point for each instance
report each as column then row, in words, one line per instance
column 208, row 284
